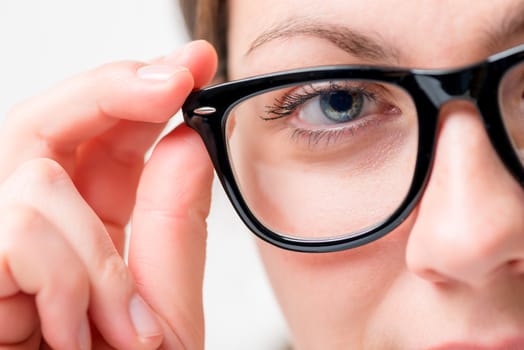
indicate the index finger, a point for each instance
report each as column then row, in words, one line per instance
column 54, row 124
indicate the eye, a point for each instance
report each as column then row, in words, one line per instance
column 331, row 105
column 336, row 107
column 341, row 106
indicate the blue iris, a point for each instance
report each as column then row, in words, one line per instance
column 341, row 106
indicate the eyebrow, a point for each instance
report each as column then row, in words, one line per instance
column 357, row 44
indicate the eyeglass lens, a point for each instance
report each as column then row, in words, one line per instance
column 324, row 159
column 511, row 101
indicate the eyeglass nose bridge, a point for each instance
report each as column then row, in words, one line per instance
column 468, row 85
column 442, row 88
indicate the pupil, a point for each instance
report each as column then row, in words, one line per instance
column 340, row 101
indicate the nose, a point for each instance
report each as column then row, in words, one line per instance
column 469, row 225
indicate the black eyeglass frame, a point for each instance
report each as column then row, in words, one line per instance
column 206, row 111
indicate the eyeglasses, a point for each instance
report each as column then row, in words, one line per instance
column 329, row 158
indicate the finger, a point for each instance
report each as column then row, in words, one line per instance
column 34, row 341
column 167, row 245
column 118, row 311
column 19, row 321
column 35, row 253
column 23, row 328
column 56, row 122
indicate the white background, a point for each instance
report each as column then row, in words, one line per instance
column 42, row 42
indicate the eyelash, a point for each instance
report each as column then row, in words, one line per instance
column 330, row 136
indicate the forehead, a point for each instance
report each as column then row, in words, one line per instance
column 266, row 35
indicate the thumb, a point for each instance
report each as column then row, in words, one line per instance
column 168, row 238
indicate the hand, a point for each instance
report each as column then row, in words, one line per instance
column 70, row 163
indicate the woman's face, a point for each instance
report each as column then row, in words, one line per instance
column 452, row 273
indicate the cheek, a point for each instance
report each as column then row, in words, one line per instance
column 342, row 291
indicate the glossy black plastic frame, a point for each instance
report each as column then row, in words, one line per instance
column 206, row 112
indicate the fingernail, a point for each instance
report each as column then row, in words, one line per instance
column 159, row 72
column 84, row 335
column 146, row 325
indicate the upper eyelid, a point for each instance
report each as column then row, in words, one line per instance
column 332, row 86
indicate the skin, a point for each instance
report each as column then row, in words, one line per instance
column 451, row 273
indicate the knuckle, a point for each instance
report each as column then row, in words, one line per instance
column 18, row 221
column 32, row 183
column 41, row 171
column 114, row 72
column 115, row 69
column 115, row 270
column 114, row 76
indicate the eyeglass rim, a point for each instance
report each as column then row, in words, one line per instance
column 202, row 107
column 199, row 97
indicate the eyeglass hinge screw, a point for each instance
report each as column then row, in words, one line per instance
column 205, row 110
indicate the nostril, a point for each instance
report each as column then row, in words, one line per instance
column 516, row 266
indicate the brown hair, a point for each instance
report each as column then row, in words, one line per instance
column 207, row 19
